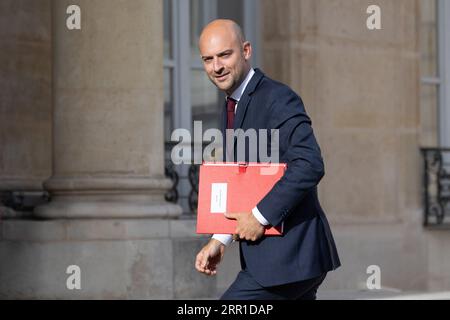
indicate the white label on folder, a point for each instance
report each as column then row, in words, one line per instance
column 218, row 198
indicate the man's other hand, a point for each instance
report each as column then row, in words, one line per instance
column 209, row 257
column 248, row 227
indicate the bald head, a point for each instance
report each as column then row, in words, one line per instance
column 223, row 27
column 225, row 54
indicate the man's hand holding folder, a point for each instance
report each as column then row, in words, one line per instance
column 248, row 228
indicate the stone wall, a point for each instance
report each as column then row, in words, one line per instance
column 361, row 89
column 118, row 259
column 25, row 100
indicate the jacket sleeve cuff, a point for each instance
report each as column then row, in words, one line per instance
column 260, row 217
column 226, row 239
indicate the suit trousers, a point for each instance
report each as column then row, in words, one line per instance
column 246, row 288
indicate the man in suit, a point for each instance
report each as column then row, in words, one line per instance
column 291, row 266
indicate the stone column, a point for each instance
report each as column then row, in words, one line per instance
column 108, row 113
column 25, row 97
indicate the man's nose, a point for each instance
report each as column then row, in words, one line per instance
column 218, row 67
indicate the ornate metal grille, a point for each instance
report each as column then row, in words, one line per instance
column 436, row 186
column 172, row 173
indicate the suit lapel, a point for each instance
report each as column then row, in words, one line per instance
column 241, row 109
column 239, row 118
column 246, row 98
column 244, row 103
column 224, row 118
column 223, row 127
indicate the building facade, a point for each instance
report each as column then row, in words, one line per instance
column 86, row 118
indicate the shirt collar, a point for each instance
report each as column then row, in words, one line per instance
column 237, row 94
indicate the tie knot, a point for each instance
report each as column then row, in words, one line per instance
column 231, row 104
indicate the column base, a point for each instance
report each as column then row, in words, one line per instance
column 8, row 213
column 107, row 197
column 117, row 259
column 106, row 210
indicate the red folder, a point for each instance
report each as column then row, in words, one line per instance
column 233, row 187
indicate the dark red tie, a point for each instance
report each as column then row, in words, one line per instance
column 231, row 105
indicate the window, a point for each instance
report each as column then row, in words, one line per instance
column 429, row 89
column 169, row 66
column 204, row 96
column 444, row 71
column 435, row 73
column 188, row 94
column 435, row 109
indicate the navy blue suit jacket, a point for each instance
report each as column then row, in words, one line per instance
column 307, row 248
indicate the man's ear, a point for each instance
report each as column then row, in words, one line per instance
column 247, row 50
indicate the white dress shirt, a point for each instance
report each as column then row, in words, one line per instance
column 226, row 239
